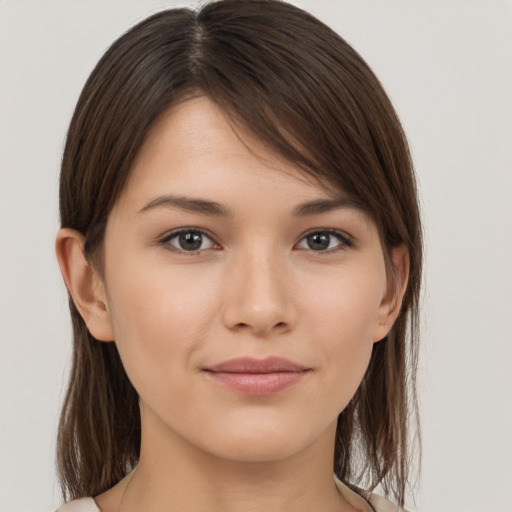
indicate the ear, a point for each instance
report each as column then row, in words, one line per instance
column 84, row 284
column 396, row 287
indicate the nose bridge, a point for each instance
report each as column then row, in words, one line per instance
column 261, row 271
column 259, row 297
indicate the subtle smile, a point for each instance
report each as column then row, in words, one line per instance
column 257, row 377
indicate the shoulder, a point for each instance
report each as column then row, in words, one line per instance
column 80, row 505
column 108, row 500
column 381, row 504
column 366, row 501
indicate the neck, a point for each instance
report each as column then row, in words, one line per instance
column 177, row 476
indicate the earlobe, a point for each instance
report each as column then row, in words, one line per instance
column 84, row 284
column 396, row 288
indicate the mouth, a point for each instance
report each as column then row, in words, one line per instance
column 257, row 377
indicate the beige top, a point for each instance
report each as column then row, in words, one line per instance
column 373, row 502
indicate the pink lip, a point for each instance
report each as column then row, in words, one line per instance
column 258, row 377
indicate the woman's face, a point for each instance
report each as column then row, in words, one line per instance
column 243, row 298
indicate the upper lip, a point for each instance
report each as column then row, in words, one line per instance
column 253, row 365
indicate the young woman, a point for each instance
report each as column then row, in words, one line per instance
column 242, row 248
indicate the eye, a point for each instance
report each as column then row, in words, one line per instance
column 189, row 240
column 324, row 241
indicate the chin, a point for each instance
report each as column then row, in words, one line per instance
column 258, row 450
column 261, row 443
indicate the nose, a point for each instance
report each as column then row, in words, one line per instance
column 259, row 295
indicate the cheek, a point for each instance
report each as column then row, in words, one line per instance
column 343, row 317
column 159, row 319
column 347, row 303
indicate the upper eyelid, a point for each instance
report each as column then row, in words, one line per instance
column 342, row 234
column 346, row 237
column 175, row 232
column 165, row 239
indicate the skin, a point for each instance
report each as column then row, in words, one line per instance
column 255, row 288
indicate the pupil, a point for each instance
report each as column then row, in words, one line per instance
column 319, row 241
column 191, row 241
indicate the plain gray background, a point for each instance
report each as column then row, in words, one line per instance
column 447, row 65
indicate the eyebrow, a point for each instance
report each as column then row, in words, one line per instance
column 318, row 206
column 196, row 205
column 207, row 207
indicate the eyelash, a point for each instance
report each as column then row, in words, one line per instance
column 345, row 241
column 165, row 241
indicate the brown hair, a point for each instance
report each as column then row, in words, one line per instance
column 303, row 90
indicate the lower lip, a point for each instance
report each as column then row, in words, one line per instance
column 258, row 384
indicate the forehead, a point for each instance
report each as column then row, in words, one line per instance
column 195, row 144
